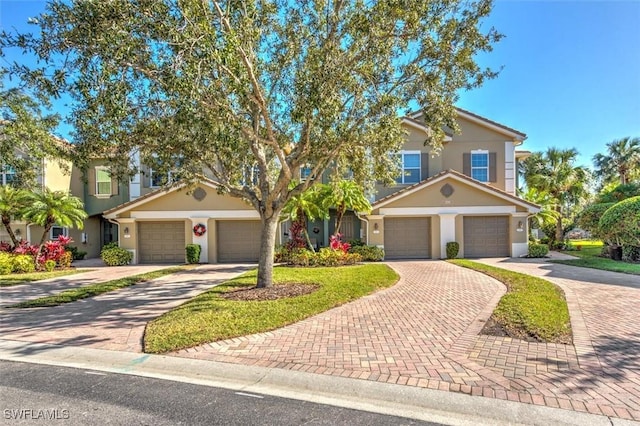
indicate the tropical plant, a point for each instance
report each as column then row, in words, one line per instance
column 547, row 215
column 621, row 163
column 266, row 87
column 554, row 173
column 345, row 195
column 614, row 193
column 12, row 203
column 301, row 208
column 589, row 218
column 47, row 208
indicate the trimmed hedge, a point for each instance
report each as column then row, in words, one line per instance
column 620, row 224
column 368, row 253
column 452, row 249
column 116, row 256
column 538, row 250
column 6, row 263
column 193, row 253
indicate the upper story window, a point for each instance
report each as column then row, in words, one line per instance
column 7, row 175
column 158, row 179
column 410, row 167
column 480, row 165
column 305, row 172
column 103, row 181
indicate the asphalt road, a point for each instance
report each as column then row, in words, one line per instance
column 42, row 394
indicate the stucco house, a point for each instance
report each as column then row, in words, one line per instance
column 465, row 193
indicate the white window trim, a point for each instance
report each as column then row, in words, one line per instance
column 487, row 168
column 65, row 231
column 97, row 192
column 151, row 185
column 402, row 154
column 5, row 173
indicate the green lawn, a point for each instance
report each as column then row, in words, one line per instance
column 532, row 307
column 589, row 257
column 67, row 296
column 209, row 317
column 16, row 279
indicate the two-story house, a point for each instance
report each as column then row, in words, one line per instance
column 466, row 194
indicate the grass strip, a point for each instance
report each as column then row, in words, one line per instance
column 68, row 296
column 603, row 264
column 531, row 308
column 17, row 279
column 209, row 317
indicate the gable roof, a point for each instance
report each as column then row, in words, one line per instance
column 483, row 121
column 531, row 207
column 113, row 212
column 416, row 124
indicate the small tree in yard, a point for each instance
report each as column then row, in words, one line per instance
column 47, row 208
column 303, row 207
column 620, row 224
column 252, row 91
column 346, row 195
column 12, row 203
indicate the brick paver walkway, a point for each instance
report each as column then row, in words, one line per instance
column 424, row 332
column 114, row 320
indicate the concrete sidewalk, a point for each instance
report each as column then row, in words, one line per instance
column 94, row 275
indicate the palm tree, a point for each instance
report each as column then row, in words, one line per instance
column 12, row 202
column 553, row 172
column 346, row 195
column 47, row 208
column 547, row 214
column 622, row 161
column 307, row 206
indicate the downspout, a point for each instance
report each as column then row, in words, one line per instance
column 366, row 233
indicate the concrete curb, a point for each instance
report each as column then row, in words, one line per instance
column 417, row 403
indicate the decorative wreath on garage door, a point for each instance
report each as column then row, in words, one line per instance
column 199, row 230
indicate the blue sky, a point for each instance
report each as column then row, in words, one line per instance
column 571, row 74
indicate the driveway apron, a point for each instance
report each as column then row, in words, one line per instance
column 114, row 320
column 424, row 332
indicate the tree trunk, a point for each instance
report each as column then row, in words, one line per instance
column 559, row 225
column 6, row 221
column 339, row 215
column 47, row 228
column 267, row 249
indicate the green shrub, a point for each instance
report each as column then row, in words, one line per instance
column 538, row 250
column 452, row 249
column 116, row 256
column 49, row 265
column 65, row 260
column 76, row 253
column 631, row 253
column 193, row 253
column 368, row 253
column 113, row 244
column 620, row 224
column 356, row 243
column 23, row 264
column 6, row 263
column 324, row 257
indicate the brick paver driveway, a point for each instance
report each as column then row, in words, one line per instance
column 114, row 320
column 424, row 332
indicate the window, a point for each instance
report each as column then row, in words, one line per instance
column 56, row 231
column 103, row 181
column 410, row 167
column 480, row 165
column 8, row 175
column 158, row 179
column 305, row 172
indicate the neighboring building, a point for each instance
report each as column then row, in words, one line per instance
column 464, row 194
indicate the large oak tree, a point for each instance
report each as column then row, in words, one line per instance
column 253, row 90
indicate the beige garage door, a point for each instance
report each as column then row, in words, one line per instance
column 238, row 240
column 486, row 236
column 161, row 242
column 407, row 238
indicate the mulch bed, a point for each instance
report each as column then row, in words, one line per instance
column 494, row 328
column 275, row 292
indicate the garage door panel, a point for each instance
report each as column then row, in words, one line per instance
column 407, row 238
column 161, row 242
column 238, row 240
column 486, row 236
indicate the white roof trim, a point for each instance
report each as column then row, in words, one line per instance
column 143, row 200
column 423, row 128
column 481, row 186
column 477, row 120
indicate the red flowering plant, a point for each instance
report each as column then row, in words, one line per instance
column 24, row 247
column 298, row 240
column 5, row 246
column 336, row 244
